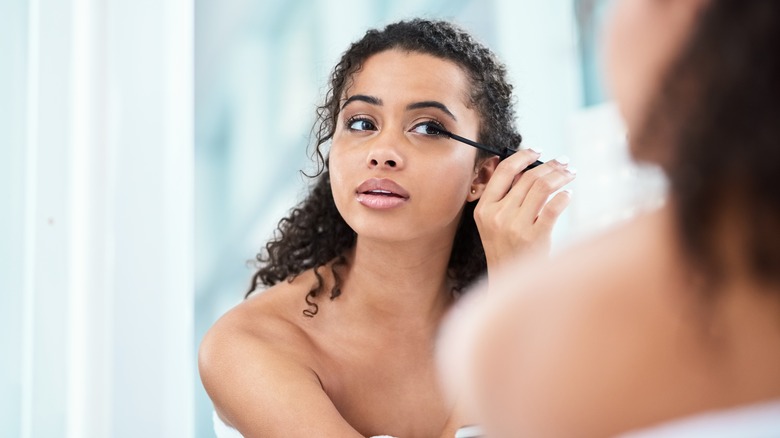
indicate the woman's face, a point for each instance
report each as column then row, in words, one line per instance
column 643, row 38
column 392, row 179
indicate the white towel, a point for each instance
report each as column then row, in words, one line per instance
column 224, row 431
column 761, row 420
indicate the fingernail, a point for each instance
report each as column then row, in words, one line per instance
column 571, row 170
column 563, row 159
column 569, row 191
column 536, row 151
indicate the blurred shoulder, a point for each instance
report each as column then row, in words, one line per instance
column 619, row 286
column 583, row 323
column 635, row 256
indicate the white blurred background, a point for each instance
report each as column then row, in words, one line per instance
column 148, row 148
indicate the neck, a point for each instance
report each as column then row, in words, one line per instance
column 399, row 283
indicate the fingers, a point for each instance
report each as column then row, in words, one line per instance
column 505, row 174
column 519, row 208
column 550, row 213
column 536, row 197
column 539, row 177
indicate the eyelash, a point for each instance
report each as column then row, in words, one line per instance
column 354, row 119
column 433, row 123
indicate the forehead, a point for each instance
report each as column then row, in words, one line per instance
column 406, row 76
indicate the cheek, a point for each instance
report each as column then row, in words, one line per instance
column 621, row 64
column 633, row 41
column 338, row 182
column 641, row 36
column 450, row 184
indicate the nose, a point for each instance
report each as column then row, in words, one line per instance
column 384, row 154
column 380, row 162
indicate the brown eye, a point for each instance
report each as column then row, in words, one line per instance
column 361, row 125
column 428, row 128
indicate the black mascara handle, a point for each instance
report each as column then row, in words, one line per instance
column 507, row 152
column 502, row 154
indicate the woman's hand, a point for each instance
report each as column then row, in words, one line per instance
column 515, row 213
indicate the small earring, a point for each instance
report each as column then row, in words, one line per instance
column 473, row 191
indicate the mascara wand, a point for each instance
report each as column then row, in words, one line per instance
column 502, row 154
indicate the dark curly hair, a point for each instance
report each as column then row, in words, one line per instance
column 715, row 128
column 314, row 233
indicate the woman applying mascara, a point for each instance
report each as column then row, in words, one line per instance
column 399, row 222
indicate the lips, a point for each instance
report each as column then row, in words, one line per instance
column 382, row 187
column 381, row 193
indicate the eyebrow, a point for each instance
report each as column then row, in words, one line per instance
column 412, row 106
column 362, row 98
column 432, row 104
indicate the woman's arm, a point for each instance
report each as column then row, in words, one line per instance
column 264, row 391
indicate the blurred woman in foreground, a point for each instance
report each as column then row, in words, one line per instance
column 677, row 313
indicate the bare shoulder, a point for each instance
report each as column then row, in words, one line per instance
column 266, row 319
column 635, row 256
column 258, row 365
column 582, row 327
column 609, row 290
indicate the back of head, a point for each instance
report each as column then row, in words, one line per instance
column 715, row 129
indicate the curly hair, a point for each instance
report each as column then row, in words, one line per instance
column 714, row 126
column 314, row 234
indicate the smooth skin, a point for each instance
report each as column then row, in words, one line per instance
column 365, row 364
column 612, row 335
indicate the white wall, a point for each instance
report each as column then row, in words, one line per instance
column 97, row 273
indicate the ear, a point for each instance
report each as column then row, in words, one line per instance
column 483, row 171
